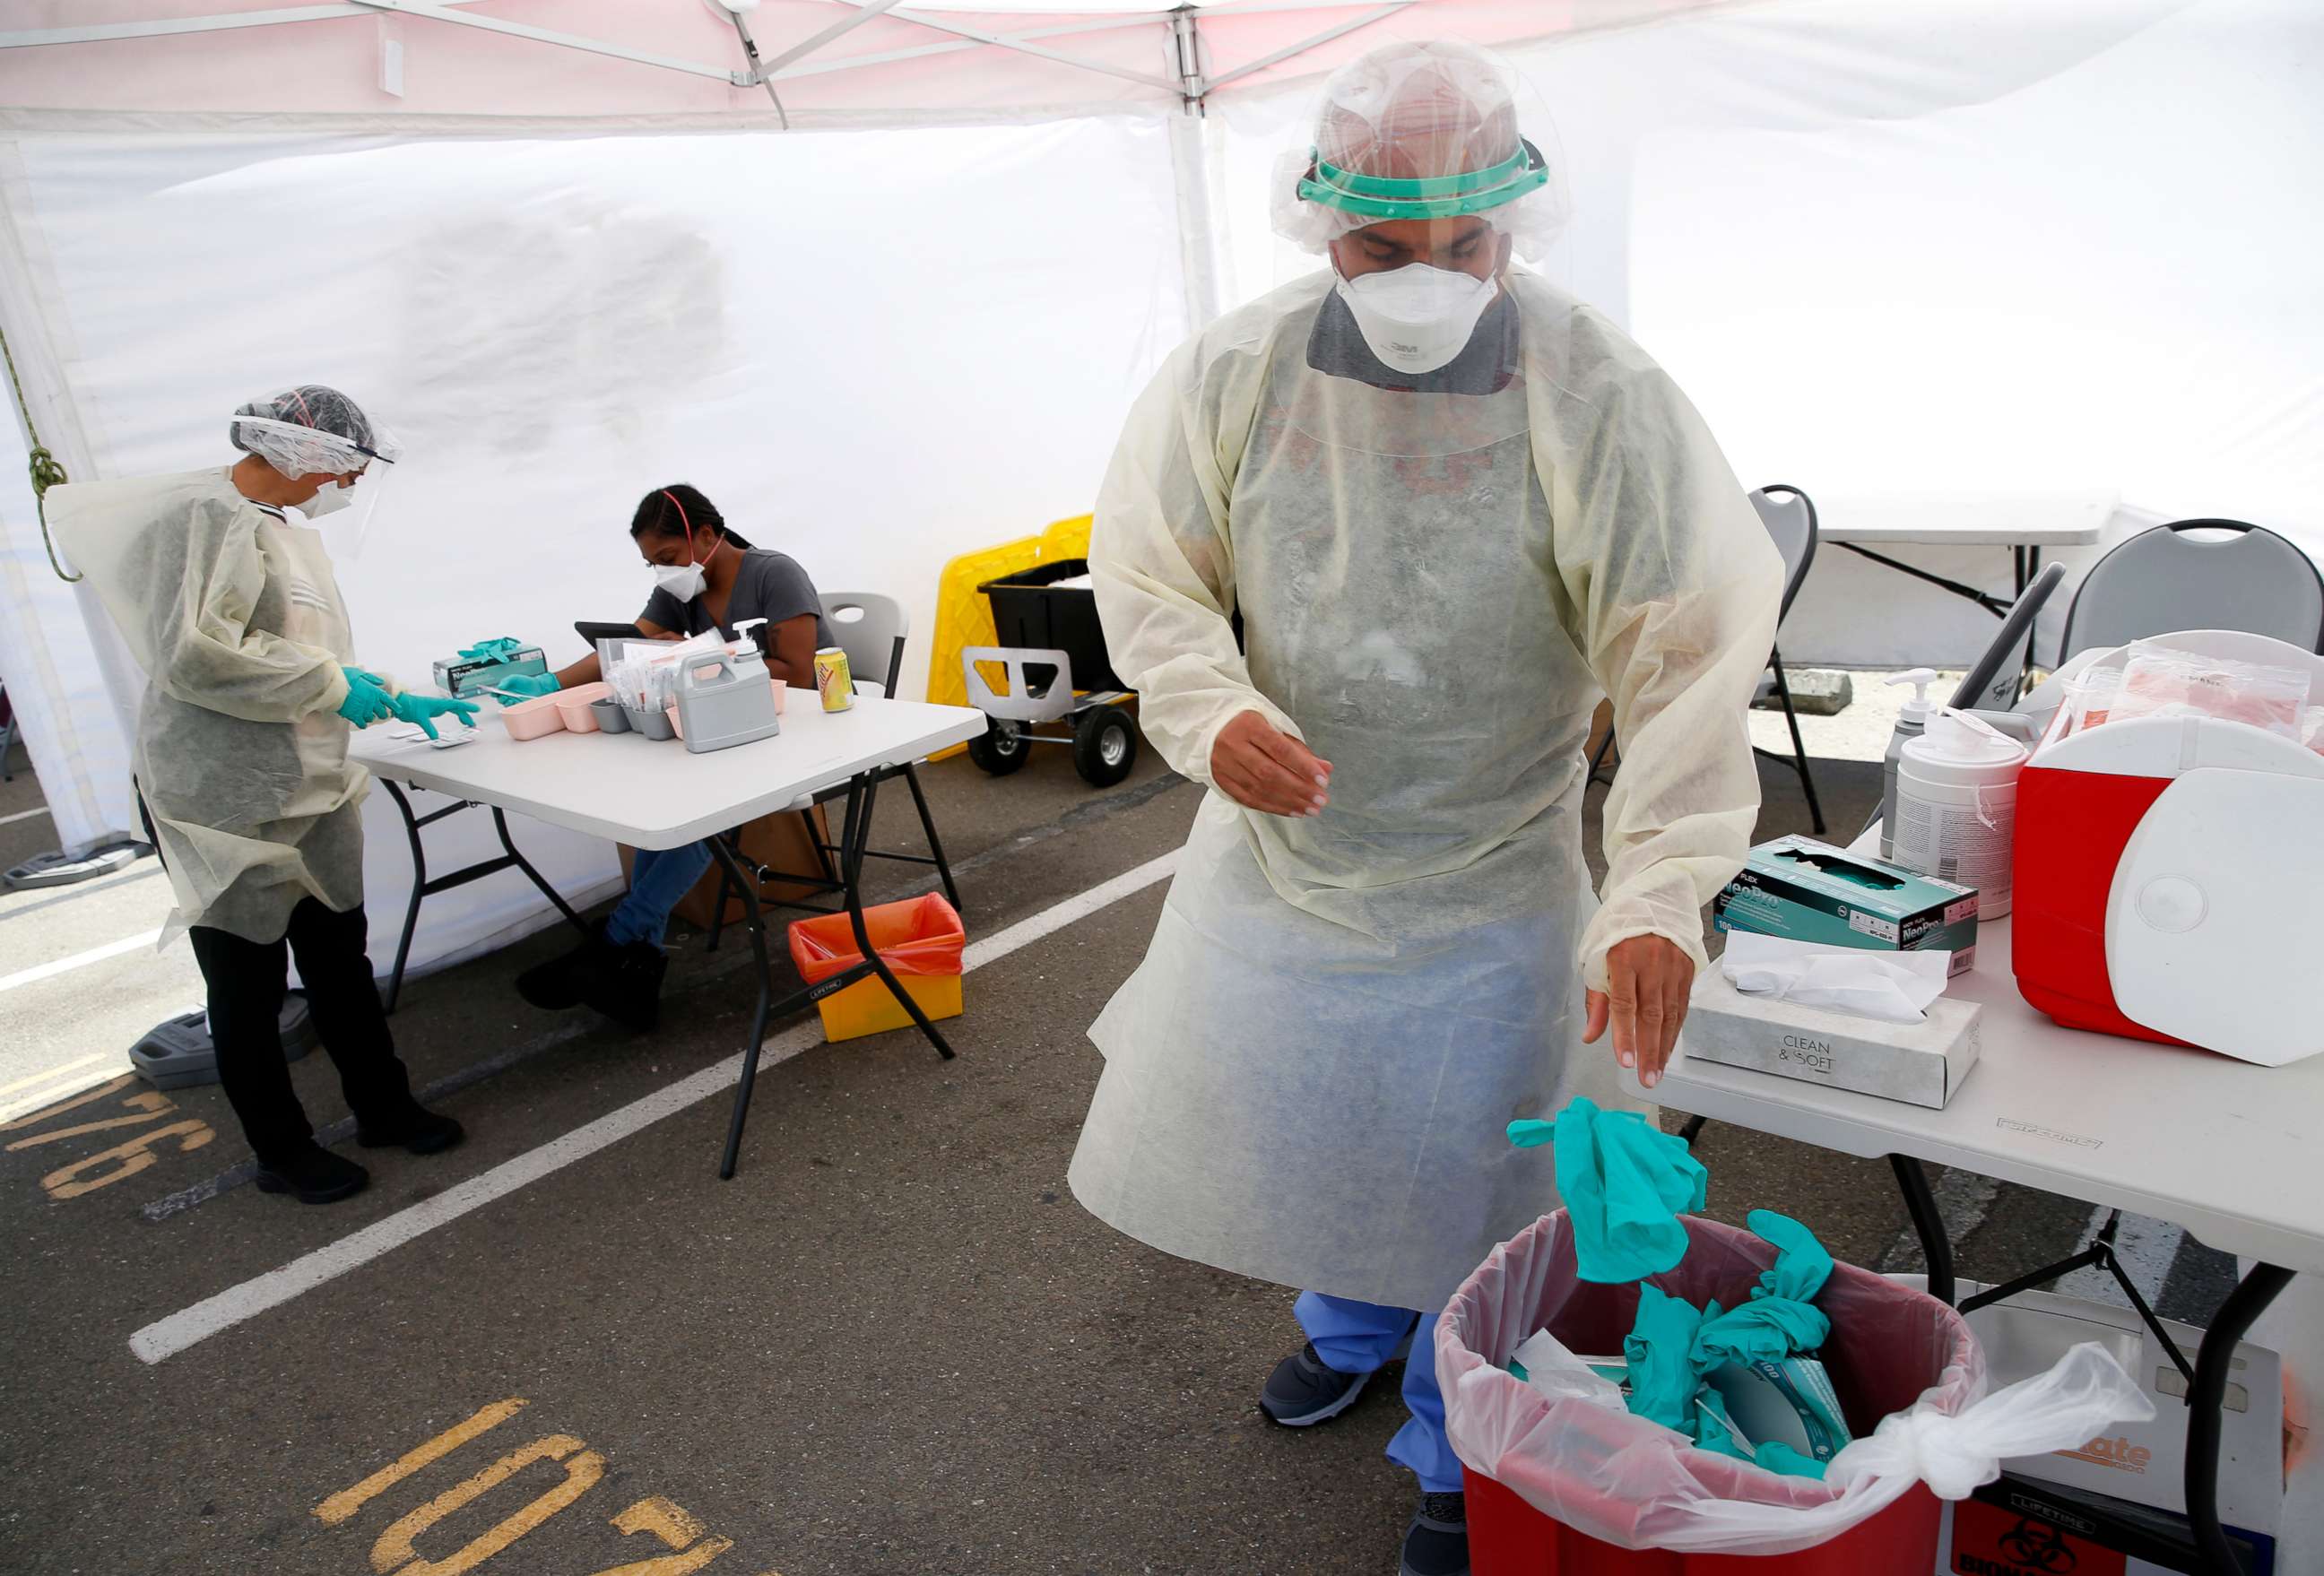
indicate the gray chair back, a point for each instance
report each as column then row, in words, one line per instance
column 1790, row 517
column 2171, row 578
column 871, row 629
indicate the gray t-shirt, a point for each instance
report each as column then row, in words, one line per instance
column 770, row 586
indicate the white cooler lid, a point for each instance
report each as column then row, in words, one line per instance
column 2214, row 928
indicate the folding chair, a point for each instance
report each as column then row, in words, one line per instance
column 871, row 629
column 2169, row 578
column 1791, row 523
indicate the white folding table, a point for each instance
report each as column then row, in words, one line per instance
column 659, row 795
column 2223, row 1149
column 2027, row 526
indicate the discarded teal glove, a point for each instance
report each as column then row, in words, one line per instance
column 1624, row 1182
column 423, row 709
column 368, row 700
column 1660, row 1350
column 1673, row 1346
column 532, row 684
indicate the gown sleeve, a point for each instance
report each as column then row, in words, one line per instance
column 1162, row 561
column 1673, row 587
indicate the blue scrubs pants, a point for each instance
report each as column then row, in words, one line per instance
column 1360, row 1338
column 658, row 878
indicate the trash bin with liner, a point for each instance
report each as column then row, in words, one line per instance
column 921, row 940
column 1563, row 1480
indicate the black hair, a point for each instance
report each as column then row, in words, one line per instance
column 671, row 511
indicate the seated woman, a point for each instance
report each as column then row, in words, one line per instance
column 705, row 578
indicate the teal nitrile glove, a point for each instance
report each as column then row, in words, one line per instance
column 1624, row 1182
column 1779, row 1320
column 532, row 684
column 1660, row 1347
column 423, row 709
column 498, row 646
column 368, row 700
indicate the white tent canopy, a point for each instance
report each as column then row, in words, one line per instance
column 1902, row 249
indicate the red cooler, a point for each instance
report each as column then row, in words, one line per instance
column 2170, row 872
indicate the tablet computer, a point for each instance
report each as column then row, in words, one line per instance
column 594, row 632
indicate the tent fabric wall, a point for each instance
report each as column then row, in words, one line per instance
column 1892, row 247
column 1901, row 250
column 872, row 375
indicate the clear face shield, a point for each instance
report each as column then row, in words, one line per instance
column 341, row 511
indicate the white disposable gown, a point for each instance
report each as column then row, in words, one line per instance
column 1308, row 1078
column 241, row 754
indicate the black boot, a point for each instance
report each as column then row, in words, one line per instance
column 627, row 985
column 1436, row 1543
column 562, row 982
column 417, row 1130
column 313, row 1175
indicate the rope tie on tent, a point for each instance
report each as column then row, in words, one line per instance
column 47, row 472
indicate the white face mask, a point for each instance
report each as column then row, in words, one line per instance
column 683, row 581
column 1416, row 318
column 328, row 499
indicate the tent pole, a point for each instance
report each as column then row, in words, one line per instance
column 1190, row 171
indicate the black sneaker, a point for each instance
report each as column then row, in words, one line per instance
column 627, row 985
column 313, row 1175
column 562, row 981
column 1302, row 1392
column 418, row 1130
column 1436, row 1543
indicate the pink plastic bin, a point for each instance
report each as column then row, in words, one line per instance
column 573, row 707
column 529, row 719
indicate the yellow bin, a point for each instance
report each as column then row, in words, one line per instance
column 921, row 940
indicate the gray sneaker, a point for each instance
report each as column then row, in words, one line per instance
column 1302, row 1392
column 1436, row 1543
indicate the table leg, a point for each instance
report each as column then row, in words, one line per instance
column 500, row 825
column 1928, row 1222
column 1984, row 599
column 752, row 923
column 853, row 840
column 2246, row 1304
column 422, row 887
column 419, row 891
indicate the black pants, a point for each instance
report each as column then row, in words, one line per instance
column 247, row 981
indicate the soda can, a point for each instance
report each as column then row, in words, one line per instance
column 832, row 679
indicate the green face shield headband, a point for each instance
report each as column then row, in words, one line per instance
column 1441, row 197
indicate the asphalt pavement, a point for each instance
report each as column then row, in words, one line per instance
column 893, row 1344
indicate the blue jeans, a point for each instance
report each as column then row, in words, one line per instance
column 658, row 877
column 1360, row 1338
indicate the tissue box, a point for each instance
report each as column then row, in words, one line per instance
column 1921, row 1064
column 461, row 676
column 1806, row 890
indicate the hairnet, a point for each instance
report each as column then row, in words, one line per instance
column 1421, row 130
column 311, row 431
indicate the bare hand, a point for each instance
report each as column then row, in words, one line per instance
column 1257, row 765
column 1648, row 980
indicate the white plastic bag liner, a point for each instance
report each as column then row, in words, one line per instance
column 1906, row 1367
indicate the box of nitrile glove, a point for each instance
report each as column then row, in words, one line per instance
column 474, row 671
column 1806, row 890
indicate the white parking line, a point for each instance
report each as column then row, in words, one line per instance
column 166, row 1338
column 22, row 815
column 80, row 960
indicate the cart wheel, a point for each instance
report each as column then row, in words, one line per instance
column 1105, row 746
column 1002, row 749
